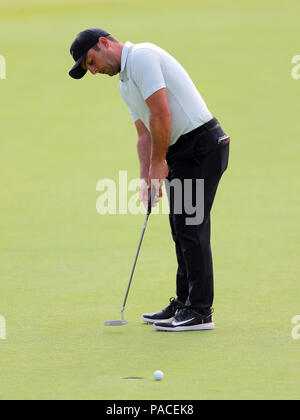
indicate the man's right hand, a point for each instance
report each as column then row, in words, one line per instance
column 145, row 194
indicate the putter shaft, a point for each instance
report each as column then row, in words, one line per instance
column 150, row 204
column 122, row 321
column 134, row 264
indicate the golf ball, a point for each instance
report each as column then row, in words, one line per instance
column 158, row 375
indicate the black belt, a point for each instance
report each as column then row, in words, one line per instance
column 207, row 126
column 185, row 137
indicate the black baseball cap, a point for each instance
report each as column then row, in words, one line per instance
column 82, row 44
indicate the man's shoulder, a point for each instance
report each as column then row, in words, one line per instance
column 147, row 45
column 142, row 49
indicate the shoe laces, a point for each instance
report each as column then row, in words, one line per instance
column 175, row 302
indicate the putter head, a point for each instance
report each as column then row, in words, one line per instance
column 116, row 323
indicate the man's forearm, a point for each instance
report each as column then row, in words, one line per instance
column 144, row 153
column 161, row 129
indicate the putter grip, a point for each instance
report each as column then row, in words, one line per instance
column 151, row 201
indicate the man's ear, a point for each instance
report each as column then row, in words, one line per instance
column 103, row 42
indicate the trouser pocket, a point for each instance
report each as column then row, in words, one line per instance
column 223, row 144
column 211, row 152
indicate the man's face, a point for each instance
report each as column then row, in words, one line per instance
column 102, row 61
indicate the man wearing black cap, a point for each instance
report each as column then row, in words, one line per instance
column 178, row 139
column 86, row 46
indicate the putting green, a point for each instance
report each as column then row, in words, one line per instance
column 65, row 268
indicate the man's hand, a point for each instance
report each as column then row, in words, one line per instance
column 158, row 172
column 145, row 194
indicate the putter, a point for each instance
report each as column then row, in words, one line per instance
column 122, row 321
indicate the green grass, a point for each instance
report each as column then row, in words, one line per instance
column 64, row 268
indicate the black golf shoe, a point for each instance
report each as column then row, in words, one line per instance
column 165, row 314
column 186, row 319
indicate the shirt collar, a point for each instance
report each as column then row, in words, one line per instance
column 125, row 53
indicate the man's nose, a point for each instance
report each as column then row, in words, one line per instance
column 93, row 70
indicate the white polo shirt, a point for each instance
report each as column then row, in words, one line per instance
column 145, row 69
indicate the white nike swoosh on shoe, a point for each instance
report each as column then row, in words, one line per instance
column 176, row 324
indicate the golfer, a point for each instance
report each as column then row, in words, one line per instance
column 178, row 140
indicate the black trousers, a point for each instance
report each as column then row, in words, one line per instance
column 200, row 155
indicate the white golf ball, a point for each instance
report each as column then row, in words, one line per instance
column 158, row 375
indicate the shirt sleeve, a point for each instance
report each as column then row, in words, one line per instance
column 133, row 114
column 147, row 72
